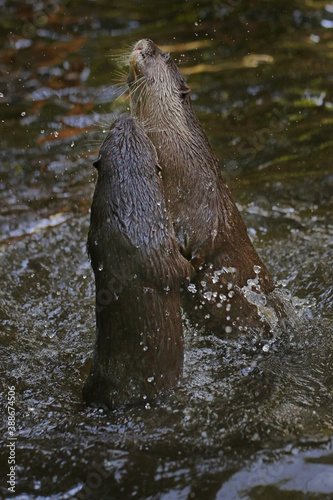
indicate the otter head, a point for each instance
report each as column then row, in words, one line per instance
column 126, row 141
column 157, row 87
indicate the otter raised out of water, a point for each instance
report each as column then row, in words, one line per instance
column 232, row 288
column 138, row 269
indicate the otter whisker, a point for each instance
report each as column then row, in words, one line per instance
column 116, row 89
column 123, row 91
column 142, row 99
column 137, row 84
column 105, row 122
column 120, row 76
column 120, row 54
column 139, row 87
column 123, row 87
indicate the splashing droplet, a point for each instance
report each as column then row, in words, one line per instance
column 191, row 288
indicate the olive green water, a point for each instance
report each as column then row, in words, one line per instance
column 250, row 420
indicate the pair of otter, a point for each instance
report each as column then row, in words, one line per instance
column 161, row 216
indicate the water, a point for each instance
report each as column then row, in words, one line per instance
column 251, row 419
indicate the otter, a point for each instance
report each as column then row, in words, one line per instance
column 138, row 269
column 232, row 289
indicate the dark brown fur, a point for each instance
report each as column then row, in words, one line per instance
column 138, row 269
column 209, row 228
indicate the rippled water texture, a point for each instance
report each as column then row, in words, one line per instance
column 251, row 419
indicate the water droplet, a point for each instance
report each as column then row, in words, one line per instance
column 23, row 113
column 208, row 295
column 100, row 267
column 256, row 269
column 265, row 348
column 229, row 270
column 150, row 379
column 262, row 300
column 228, row 329
column 191, row 288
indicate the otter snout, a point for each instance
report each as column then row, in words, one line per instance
column 140, row 51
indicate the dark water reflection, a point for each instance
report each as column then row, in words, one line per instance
column 250, row 420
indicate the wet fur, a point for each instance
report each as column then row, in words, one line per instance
column 138, row 270
column 209, row 229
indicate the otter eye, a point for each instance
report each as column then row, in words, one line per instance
column 184, row 90
column 165, row 56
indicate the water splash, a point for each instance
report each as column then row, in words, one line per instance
column 253, row 294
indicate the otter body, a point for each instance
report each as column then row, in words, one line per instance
column 138, row 270
column 232, row 286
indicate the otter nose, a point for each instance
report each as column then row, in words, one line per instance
column 143, row 44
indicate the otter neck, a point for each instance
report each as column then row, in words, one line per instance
column 191, row 176
column 176, row 133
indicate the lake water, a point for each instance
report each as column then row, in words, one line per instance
column 250, row 420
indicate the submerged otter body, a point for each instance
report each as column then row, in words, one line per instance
column 232, row 286
column 138, row 269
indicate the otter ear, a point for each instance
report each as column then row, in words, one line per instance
column 158, row 170
column 184, row 89
column 96, row 163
